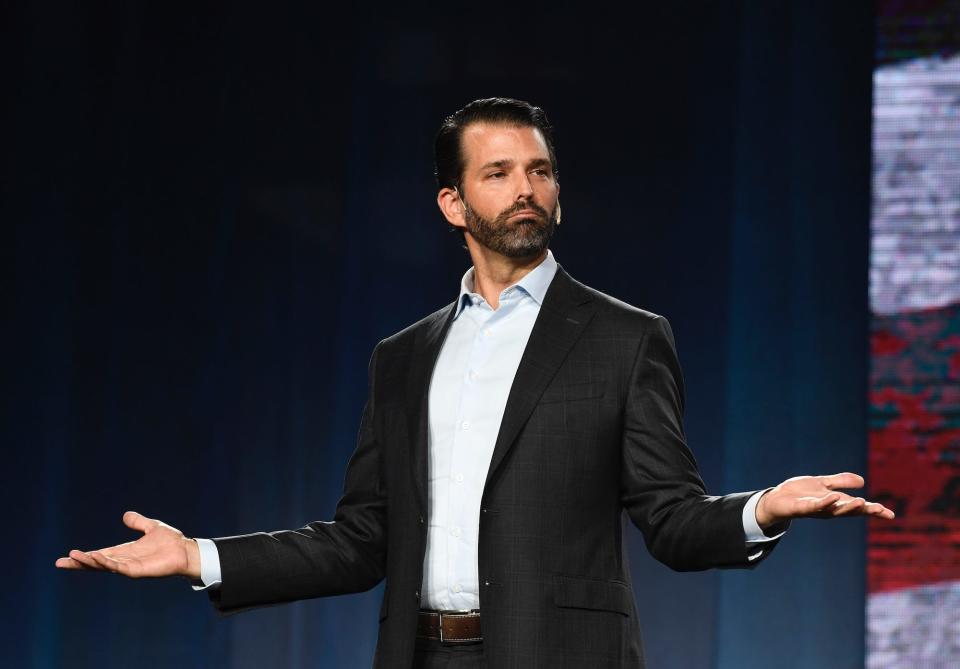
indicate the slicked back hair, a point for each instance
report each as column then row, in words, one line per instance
column 449, row 161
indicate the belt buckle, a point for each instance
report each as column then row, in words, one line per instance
column 440, row 615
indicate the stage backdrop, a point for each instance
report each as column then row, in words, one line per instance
column 913, row 606
column 213, row 215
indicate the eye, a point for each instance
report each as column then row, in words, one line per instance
column 497, row 175
column 541, row 172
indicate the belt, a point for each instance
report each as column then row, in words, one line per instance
column 449, row 626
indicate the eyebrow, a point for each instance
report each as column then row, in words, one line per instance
column 506, row 162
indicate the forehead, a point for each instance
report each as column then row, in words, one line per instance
column 483, row 143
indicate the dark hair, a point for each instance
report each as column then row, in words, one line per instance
column 448, row 151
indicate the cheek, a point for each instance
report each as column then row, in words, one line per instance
column 488, row 202
column 547, row 192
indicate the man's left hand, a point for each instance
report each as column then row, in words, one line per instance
column 816, row 497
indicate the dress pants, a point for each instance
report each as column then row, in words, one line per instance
column 434, row 655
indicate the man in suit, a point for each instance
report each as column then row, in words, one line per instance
column 503, row 437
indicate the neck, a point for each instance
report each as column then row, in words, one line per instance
column 493, row 272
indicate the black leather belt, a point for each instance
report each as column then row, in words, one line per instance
column 449, row 626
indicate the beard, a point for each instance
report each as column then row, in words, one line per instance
column 521, row 238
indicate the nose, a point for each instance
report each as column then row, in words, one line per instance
column 525, row 190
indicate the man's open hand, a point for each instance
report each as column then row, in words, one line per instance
column 161, row 551
column 816, row 497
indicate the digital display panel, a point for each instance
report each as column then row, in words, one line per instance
column 913, row 564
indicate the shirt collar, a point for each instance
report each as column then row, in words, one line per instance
column 534, row 283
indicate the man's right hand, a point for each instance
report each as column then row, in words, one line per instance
column 161, row 551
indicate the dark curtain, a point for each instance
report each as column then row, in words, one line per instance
column 213, row 214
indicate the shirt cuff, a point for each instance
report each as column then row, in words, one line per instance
column 751, row 530
column 209, row 565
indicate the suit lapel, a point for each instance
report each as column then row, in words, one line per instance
column 564, row 314
column 426, row 349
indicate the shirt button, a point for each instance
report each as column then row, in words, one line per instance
column 457, row 587
column 455, row 531
column 473, row 375
column 458, row 478
column 465, row 425
column 487, row 332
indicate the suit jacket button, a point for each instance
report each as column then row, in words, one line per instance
column 421, row 520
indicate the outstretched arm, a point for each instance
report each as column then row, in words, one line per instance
column 683, row 526
column 661, row 489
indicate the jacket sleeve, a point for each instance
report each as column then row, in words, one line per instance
column 661, row 488
column 322, row 558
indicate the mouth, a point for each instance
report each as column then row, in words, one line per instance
column 528, row 213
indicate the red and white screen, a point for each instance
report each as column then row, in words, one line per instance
column 913, row 578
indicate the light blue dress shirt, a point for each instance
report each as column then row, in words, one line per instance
column 468, row 394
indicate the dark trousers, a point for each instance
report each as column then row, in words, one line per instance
column 434, row 655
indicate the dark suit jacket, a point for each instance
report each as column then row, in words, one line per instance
column 592, row 428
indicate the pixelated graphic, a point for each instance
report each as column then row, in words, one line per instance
column 913, row 563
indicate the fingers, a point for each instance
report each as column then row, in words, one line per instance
column 136, row 521
column 877, row 509
column 83, row 559
column 69, row 563
column 858, row 506
column 848, row 507
column 95, row 560
column 114, row 558
column 832, row 504
column 842, row 480
column 809, row 506
column 838, row 504
column 855, row 505
column 108, row 563
column 98, row 561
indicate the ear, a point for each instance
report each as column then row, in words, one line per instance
column 452, row 207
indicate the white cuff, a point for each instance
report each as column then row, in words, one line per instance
column 209, row 565
column 751, row 530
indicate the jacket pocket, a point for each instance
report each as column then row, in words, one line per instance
column 574, row 391
column 594, row 594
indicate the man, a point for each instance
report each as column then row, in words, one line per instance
column 503, row 437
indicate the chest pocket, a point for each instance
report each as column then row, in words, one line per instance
column 571, row 408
